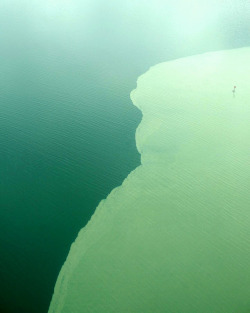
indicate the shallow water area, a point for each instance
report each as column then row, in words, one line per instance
column 174, row 236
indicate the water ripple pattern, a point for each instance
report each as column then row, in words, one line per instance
column 175, row 236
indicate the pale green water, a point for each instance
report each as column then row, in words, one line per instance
column 67, row 124
column 175, row 236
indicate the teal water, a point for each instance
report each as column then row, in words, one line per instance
column 67, row 124
column 59, row 158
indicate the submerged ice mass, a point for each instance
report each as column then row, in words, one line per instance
column 175, row 236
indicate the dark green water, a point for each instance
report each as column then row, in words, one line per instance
column 67, row 124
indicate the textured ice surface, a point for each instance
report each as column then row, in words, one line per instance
column 175, row 237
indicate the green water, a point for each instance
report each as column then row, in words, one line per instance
column 67, row 124
column 59, row 158
column 174, row 237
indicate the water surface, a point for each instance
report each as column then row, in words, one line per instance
column 67, row 124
